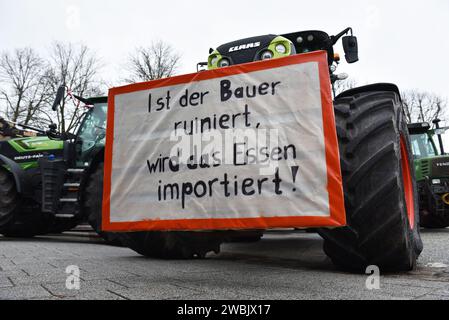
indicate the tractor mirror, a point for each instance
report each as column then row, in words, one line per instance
column 201, row 66
column 59, row 97
column 350, row 45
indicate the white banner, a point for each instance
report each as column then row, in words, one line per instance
column 231, row 149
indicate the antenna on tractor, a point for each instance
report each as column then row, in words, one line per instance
column 436, row 122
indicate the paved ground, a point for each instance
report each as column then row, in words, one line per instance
column 287, row 266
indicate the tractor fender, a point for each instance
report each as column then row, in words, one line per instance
column 371, row 88
column 19, row 174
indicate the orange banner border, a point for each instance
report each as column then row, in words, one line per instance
column 335, row 188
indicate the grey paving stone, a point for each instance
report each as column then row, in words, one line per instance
column 155, row 292
column 100, row 289
column 290, row 266
column 39, row 279
column 23, row 292
column 5, row 282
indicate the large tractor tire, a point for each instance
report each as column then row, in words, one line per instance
column 245, row 236
column 60, row 225
column 173, row 245
column 380, row 191
column 93, row 199
column 9, row 199
column 27, row 225
column 14, row 221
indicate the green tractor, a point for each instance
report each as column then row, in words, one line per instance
column 376, row 161
column 432, row 174
column 48, row 184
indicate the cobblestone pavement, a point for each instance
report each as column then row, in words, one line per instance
column 281, row 266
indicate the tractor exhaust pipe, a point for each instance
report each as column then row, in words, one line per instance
column 436, row 122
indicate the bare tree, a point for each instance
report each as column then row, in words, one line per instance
column 24, row 89
column 77, row 68
column 421, row 106
column 155, row 62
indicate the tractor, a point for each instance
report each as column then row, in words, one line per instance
column 48, row 182
column 432, row 173
column 376, row 162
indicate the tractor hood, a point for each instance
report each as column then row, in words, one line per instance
column 434, row 168
column 29, row 150
column 35, row 143
column 245, row 50
column 440, row 166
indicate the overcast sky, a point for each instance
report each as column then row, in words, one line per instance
column 404, row 42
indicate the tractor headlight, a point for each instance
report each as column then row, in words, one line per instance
column 224, row 63
column 266, row 55
column 214, row 60
column 436, row 181
column 280, row 48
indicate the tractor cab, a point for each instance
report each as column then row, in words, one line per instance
column 82, row 151
column 431, row 170
column 91, row 133
column 88, row 139
column 423, row 144
column 431, row 161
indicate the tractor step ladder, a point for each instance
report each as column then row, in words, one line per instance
column 68, row 200
column 65, row 216
column 75, row 171
column 71, row 186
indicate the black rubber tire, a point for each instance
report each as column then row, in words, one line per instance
column 14, row 223
column 9, row 199
column 369, row 127
column 173, row 245
column 60, row 225
column 27, row 225
column 93, row 199
column 245, row 237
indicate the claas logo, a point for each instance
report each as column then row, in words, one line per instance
column 245, row 46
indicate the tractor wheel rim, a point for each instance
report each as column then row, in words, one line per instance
column 408, row 183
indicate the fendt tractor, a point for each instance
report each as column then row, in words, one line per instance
column 46, row 182
column 376, row 161
column 432, row 173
